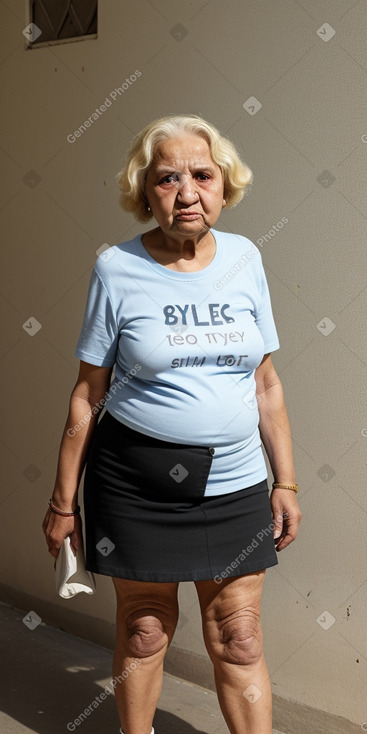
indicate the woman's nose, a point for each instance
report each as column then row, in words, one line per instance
column 187, row 191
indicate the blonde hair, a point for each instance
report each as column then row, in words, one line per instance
column 131, row 179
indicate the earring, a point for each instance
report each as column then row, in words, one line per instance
column 224, row 202
column 148, row 208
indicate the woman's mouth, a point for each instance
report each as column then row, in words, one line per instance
column 188, row 216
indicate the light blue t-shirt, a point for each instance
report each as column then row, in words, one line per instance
column 185, row 347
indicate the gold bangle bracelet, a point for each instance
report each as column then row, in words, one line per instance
column 279, row 485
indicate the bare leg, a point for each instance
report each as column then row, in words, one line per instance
column 233, row 637
column 146, row 619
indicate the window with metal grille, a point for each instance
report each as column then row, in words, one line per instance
column 60, row 21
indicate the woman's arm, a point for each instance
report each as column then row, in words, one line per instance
column 276, row 436
column 84, row 408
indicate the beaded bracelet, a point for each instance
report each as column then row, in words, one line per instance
column 57, row 511
column 279, row 485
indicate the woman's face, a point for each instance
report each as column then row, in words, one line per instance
column 184, row 187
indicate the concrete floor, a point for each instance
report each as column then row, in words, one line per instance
column 50, row 677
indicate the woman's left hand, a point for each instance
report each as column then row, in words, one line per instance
column 286, row 516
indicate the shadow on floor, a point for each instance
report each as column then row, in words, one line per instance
column 50, row 678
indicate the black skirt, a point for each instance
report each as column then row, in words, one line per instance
column 147, row 519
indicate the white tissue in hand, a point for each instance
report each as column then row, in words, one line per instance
column 71, row 574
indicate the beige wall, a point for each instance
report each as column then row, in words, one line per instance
column 207, row 58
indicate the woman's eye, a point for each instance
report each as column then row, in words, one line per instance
column 172, row 178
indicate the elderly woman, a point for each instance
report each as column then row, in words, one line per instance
column 176, row 482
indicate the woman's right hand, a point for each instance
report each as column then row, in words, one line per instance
column 91, row 386
column 56, row 528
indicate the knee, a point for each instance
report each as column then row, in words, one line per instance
column 147, row 634
column 238, row 640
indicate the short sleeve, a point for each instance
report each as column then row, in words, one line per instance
column 97, row 343
column 264, row 315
